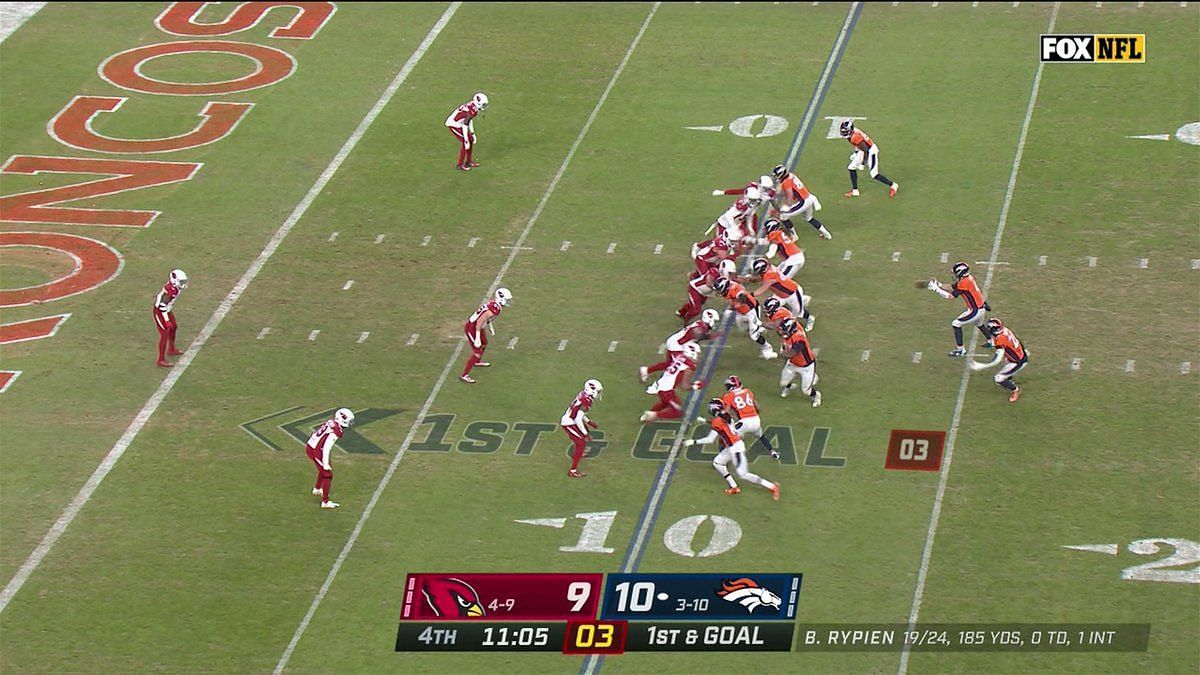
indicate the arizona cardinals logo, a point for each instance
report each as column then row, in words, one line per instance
column 452, row 597
column 747, row 593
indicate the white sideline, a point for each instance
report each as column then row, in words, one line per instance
column 14, row 14
column 114, row 455
column 458, row 349
column 952, row 435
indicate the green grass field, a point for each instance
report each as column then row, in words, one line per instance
column 202, row 551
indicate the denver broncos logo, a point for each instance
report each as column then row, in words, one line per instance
column 452, row 597
column 747, row 593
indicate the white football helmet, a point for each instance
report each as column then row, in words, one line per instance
column 344, row 417
column 726, row 268
column 480, row 100
column 179, row 279
column 766, row 183
column 753, row 195
column 503, row 296
column 692, row 351
column 594, row 389
column 710, row 318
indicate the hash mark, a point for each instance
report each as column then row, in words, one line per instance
column 895, row 256
column 312, row 337
column 425, row 240
column 846, row 256
column 945, row 257
column 1091, row 261
column 1185, row 367
column 1143, row 263
column 472, row 242
column 348, row 285
column 363, row 338
column 412, row 339
column 1041, row 261
column 263, row 333
column 1129, row 366
column 612, row 346
column 657, row 249
column 379, row 238
column 562, row 344
column 565, row 245
column 333, row 236
column 512, row 344
column 612, row 247
column 1195, row 264
column 916, row 357
column 866, row 355
column 1076, row 363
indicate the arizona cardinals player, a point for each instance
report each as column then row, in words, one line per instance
column 740, row 220
column 164, row 318
column 461, row 123
column 576, row 423
column 732, row 451
column 765, row 187
column 318, row 447
column 669, row 407
column 743, row 411
column 692, row 333
column 700, row 288
column 473, row 329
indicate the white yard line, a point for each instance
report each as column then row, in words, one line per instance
column 458, row 349
column 936, row 514
column 139, row 422
column 14, row 14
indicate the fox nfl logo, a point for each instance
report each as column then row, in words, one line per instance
column 1099, row 48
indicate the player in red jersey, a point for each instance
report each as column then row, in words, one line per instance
column 473, row 329
column 318, row 448
column 461, row 123
column 700, row 288
column 733, row 450
column 669, row 407
column 164, row 318
column 865, row 156
column 576, row 423
column 692, row 333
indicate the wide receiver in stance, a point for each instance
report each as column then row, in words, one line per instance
column 577, row 425
column 473, row 329
column 461, row 123
column 164, row 318
column 318, row 447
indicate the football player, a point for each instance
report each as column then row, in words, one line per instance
column 865, row 156
column 743, row 411
column 692, row 333
column 473, row 329
column 318, row 447
column 164, row 318
column 790, row 293
column 577, row 425
column 669, row 407
column 765, row 186
column 964, row 287
column 739, row 221
column 1008, row 347
column 746, row 307
column 793, row 199
column 801, row 361
column 774, row 314
column 782, row 239
column 733, row 451
column 461, row 123
column 700, row 288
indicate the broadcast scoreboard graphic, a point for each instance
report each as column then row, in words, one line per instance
column 586, row 614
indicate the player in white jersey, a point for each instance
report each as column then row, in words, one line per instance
column 164, row 317
column 318, row 448
column 576, row 423
column 473, row 329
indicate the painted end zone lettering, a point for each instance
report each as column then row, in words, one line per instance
column 72, row 127
column 32, row 329
column 7, row 377
column 910, row 450
column 124, row 69
column 127, row 174
column 309, row 18
column 96, row 263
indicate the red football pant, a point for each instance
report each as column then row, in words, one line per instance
column 693, row 306
column 165, row 323
column 324, row 478
column 662, row 365
column 466, row 142
column 579, row 440
column 668, row 407
column 478, row 341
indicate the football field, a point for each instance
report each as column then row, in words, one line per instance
column 295, row 165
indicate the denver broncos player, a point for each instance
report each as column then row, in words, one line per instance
column 461, row 123
column 1010, row 348
column 781, row 239
column 746, row 307
column 473, row 329
column 733, row 451
column 692, row 333
column 774, row 314
column 790, row 293
column 793, row 198
column 164, row 318
column 669, row 407
column 743, row 410
column 576, row 423
column 318, row 447
column 964, row 287
column 865, row 156
column 801, row 362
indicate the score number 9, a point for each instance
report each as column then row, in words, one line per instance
column 578, row 592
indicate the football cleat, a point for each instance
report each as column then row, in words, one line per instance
column 317, row 492
column 775, row 492
column 174, row 352
column 643, row 373
column 808, row 323
column 330, row 505
column 825, row 234
column 462, row 167
column 775, row 455
column 647, row 416
column 483, row 364
column 733, row 491
column 164, row 363
column 466, row 378
column 768, row 354
column 852, row 193
column 1012, row 398
column 989, row 345
column 344, row 417
column 816, row 400
column 957, row 352
column 894, row 189
column 575, row 473
column 472, row 164
column 784, row 392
